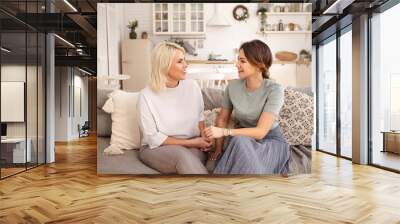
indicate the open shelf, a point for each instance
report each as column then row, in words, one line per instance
column 284, row 32
column 298, row 62
column 288, row 13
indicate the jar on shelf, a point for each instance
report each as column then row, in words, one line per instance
column 280, row 25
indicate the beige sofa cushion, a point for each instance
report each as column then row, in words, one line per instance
column 125, row 128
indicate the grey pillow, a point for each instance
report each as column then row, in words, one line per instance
column 103, row 118
column 102, row 96
column 103, row 123
column 212, row 98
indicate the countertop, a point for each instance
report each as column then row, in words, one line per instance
column 208, row 62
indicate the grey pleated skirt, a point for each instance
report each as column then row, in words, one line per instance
column 246, row 155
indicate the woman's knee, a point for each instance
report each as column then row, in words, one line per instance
column 189, row 163
column 241, row 139
column 241, row 143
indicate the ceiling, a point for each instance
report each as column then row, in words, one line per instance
column 77, row 24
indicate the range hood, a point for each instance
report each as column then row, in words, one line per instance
column 217, row 19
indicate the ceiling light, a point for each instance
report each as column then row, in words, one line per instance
column 64, row 40
column 84, row 71
column 337, row 7
column 5, row 50
column 70, row 5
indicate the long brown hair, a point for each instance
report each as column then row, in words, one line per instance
column 259, row 55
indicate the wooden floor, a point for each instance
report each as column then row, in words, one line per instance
column 69, row 191
column 10, row 171
column 387, row 159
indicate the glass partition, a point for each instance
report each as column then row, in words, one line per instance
column 13, row 95
column 22, row 63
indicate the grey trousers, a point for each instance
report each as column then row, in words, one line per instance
column 171, row 159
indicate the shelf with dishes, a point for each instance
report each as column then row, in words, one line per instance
column 288, row 13
column 284, row 20
column 297, row 62
column 284, row 32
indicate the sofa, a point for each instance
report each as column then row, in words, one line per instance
column 294, row 120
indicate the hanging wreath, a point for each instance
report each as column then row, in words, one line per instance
column 240, row 13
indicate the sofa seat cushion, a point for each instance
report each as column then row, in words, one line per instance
column 128, row 163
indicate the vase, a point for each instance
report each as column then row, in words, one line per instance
column 132, row 34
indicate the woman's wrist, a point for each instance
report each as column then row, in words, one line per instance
column 227, row 132
column 188, row 143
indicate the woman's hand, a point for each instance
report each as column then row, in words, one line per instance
column 202, row 143
column 214, row 132
column 214, row 156
column 203, row 134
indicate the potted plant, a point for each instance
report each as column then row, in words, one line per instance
column 262, row 13
column 304, row 56
column 132, row 26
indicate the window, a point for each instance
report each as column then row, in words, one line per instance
column 385, row 87
column 346, row 93
column 327, row 96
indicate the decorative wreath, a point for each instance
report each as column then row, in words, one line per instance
column 240, row 13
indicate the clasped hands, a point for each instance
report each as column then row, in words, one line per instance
column 205, row 141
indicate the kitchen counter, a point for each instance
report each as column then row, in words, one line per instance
column 208, row 62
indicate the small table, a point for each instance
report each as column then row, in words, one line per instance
column 13, row 150
column 391, row 141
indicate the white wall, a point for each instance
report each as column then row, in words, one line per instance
column 33, row 127
column 219, row 40
column 68, row 80
column 62, row 83
column 109, row 35
column 17, row 73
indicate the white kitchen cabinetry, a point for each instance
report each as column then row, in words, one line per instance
column 291, row 74
column 178, row 19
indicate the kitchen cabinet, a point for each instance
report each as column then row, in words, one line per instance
column 294, row 74
column 178, row 19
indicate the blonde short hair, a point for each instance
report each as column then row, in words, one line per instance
column 161, row 60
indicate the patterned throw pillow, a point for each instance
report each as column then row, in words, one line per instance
column 297, row 117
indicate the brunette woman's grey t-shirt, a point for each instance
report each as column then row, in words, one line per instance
column 248, row 105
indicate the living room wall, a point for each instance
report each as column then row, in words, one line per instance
column 71, row 87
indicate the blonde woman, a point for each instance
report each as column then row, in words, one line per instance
column 171, row 116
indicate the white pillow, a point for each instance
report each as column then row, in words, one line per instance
column 125, row 128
